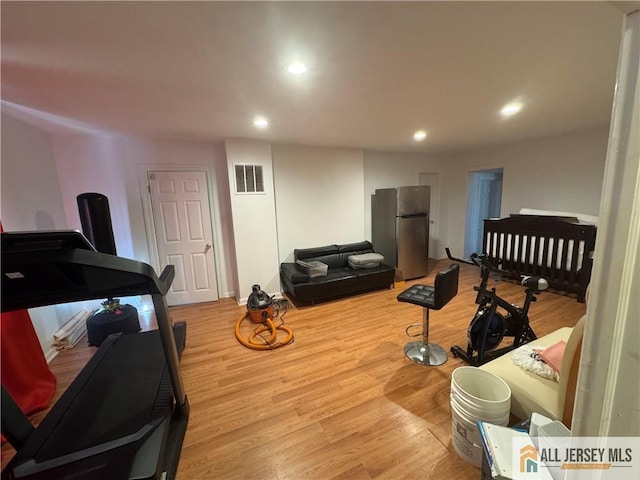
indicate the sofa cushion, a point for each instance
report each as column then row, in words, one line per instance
column 356, row 247
column 304, row 253
column 380, row 269
column 313, row 268
column 336, row 273
column 337, row 283
column 337, row 260
column 365, row 260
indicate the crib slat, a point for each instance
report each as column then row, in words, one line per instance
column 487, row 243
column 501, row 251
column 574, row 261
column 536, row 255
column 518, row 252
column 544, row 260
column 553, row 259
column 513, row 238
column 563, row 260
column 527, row 255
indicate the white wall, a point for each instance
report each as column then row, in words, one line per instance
column 254, row 222
column 31, row 199
column 319, row 195
column 94, row 163
column 562, row 173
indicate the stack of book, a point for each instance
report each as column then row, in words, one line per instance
column 70, row 334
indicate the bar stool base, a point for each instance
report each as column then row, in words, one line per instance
column 425, row 354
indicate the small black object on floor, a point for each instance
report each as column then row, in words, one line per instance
column 122, row 318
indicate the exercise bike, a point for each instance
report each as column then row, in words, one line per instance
column 489, row 327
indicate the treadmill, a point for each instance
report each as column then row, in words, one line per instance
column 125, row 414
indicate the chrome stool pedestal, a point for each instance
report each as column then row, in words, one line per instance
column 424, row 352
column 430, row 298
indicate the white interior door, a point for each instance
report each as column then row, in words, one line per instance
column 182, row 224
column 433, row 180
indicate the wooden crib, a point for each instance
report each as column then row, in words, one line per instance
column 557, row 248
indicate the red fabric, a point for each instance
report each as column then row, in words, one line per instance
column 25, row 373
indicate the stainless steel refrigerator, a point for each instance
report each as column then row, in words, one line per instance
column 400, row 228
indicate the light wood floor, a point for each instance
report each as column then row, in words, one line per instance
column 342, row 401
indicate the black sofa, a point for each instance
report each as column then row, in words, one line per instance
column 341, row 280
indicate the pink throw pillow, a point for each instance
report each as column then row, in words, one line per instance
column 553, row 355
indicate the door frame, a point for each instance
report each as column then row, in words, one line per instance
column 473, row 222
column 147, row 212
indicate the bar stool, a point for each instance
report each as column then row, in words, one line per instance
column 430, row 298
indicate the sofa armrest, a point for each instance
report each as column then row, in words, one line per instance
column 568, row 374
column 294, row 273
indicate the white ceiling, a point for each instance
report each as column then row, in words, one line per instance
column 378, row 71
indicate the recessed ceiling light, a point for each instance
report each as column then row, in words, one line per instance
column 419, row 135
column 261, row 122
column 296, row 68
column 511, row 109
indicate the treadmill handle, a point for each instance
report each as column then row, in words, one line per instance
column 166, row 279
column 15, row 425
column 169, row 346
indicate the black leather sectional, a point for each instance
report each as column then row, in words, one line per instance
column 341, row 280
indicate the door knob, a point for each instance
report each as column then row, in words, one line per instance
column 207, row 247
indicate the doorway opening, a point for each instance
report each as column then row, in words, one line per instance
column 483, row 201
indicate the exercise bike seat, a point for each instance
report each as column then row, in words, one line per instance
column 535, row 284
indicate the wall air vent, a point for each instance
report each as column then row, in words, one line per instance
column 249, row 178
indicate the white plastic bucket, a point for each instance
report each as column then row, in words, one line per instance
column 476, row 395
column 476, row 410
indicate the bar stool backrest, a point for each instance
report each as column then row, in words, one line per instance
column 446, row 286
